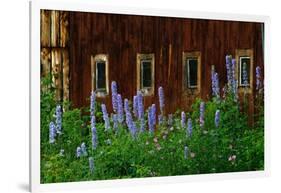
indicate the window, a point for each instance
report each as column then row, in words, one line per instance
column 244, row 73
column 99, row 69
column 244, row 58
column 145, row 73
column 191, row 71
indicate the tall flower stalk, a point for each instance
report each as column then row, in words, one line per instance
column 234, row 80
column 114, row 96
column 215, row 84
column 228, row 69
column 141, row 111
column 202, row 112
column 153, row 113
column 120, row 113
column 189, row 127
column 91, row 165
column 183, row 119
column 129, row 119
column 135, row 106
column 217, row 118
column 94, row 133
column 161, row 99
column 105, row 117
column 258, row 79
column 78, row 152
column 140, row 105
column 52, row 132
column 58, row 116
column 151, row 116
column 92, row 103
column 84, row 149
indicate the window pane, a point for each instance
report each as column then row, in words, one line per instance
column 192, row 65
column 244, row 71
column 146, row 78
column 100, row 73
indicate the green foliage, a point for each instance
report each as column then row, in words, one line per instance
column 232, row 146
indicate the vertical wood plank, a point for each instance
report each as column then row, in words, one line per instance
column 45, row 28
column 45, row 62
column 64, row 28
column 65, row 59
column 55, row 28
column 57, row 72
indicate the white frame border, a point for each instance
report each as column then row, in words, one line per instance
column 34, row 81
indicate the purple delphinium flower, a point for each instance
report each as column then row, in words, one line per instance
column 150, row 117
column 93, row 121
column 78, row 152
column 234, row 81
column 217, row 118
column 258, row 78
column 140, row 105
column 84, row 149
column 58, row 116
column 114, row 95
column 153, row 114
column 170, row 120
column 52, row 132
column 131, row 124
column 129, row 119
column 126, row 106
column 142, row 125
column 215, row 84
column 92, row 103
column 105, row 117
column 91, row 164
column 183, row 119
column 135, row 106
column 115, row 121
column 120, row 112
column 202, row 110
column 228, row 69
column 141, row 111
column 189, row 127
column 161, row 99
column 94, row 137
column 185, row 152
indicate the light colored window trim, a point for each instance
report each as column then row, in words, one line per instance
column 244, row 53
column 140, row 58
column 94, row 60
column 185, row 77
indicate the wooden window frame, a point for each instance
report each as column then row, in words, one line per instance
column 94, row 60
column 185, row 87
column 244, row 53
column 140, row 57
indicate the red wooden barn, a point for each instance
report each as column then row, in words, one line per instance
column 85, row 51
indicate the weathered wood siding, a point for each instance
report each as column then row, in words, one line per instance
column 123, row 36
column 54, row 50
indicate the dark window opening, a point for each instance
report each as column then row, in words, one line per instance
column 244, row 71
column 100, row 76
column 146, row 78
column 192, row 72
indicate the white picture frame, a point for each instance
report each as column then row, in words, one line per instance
column 88, row 6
